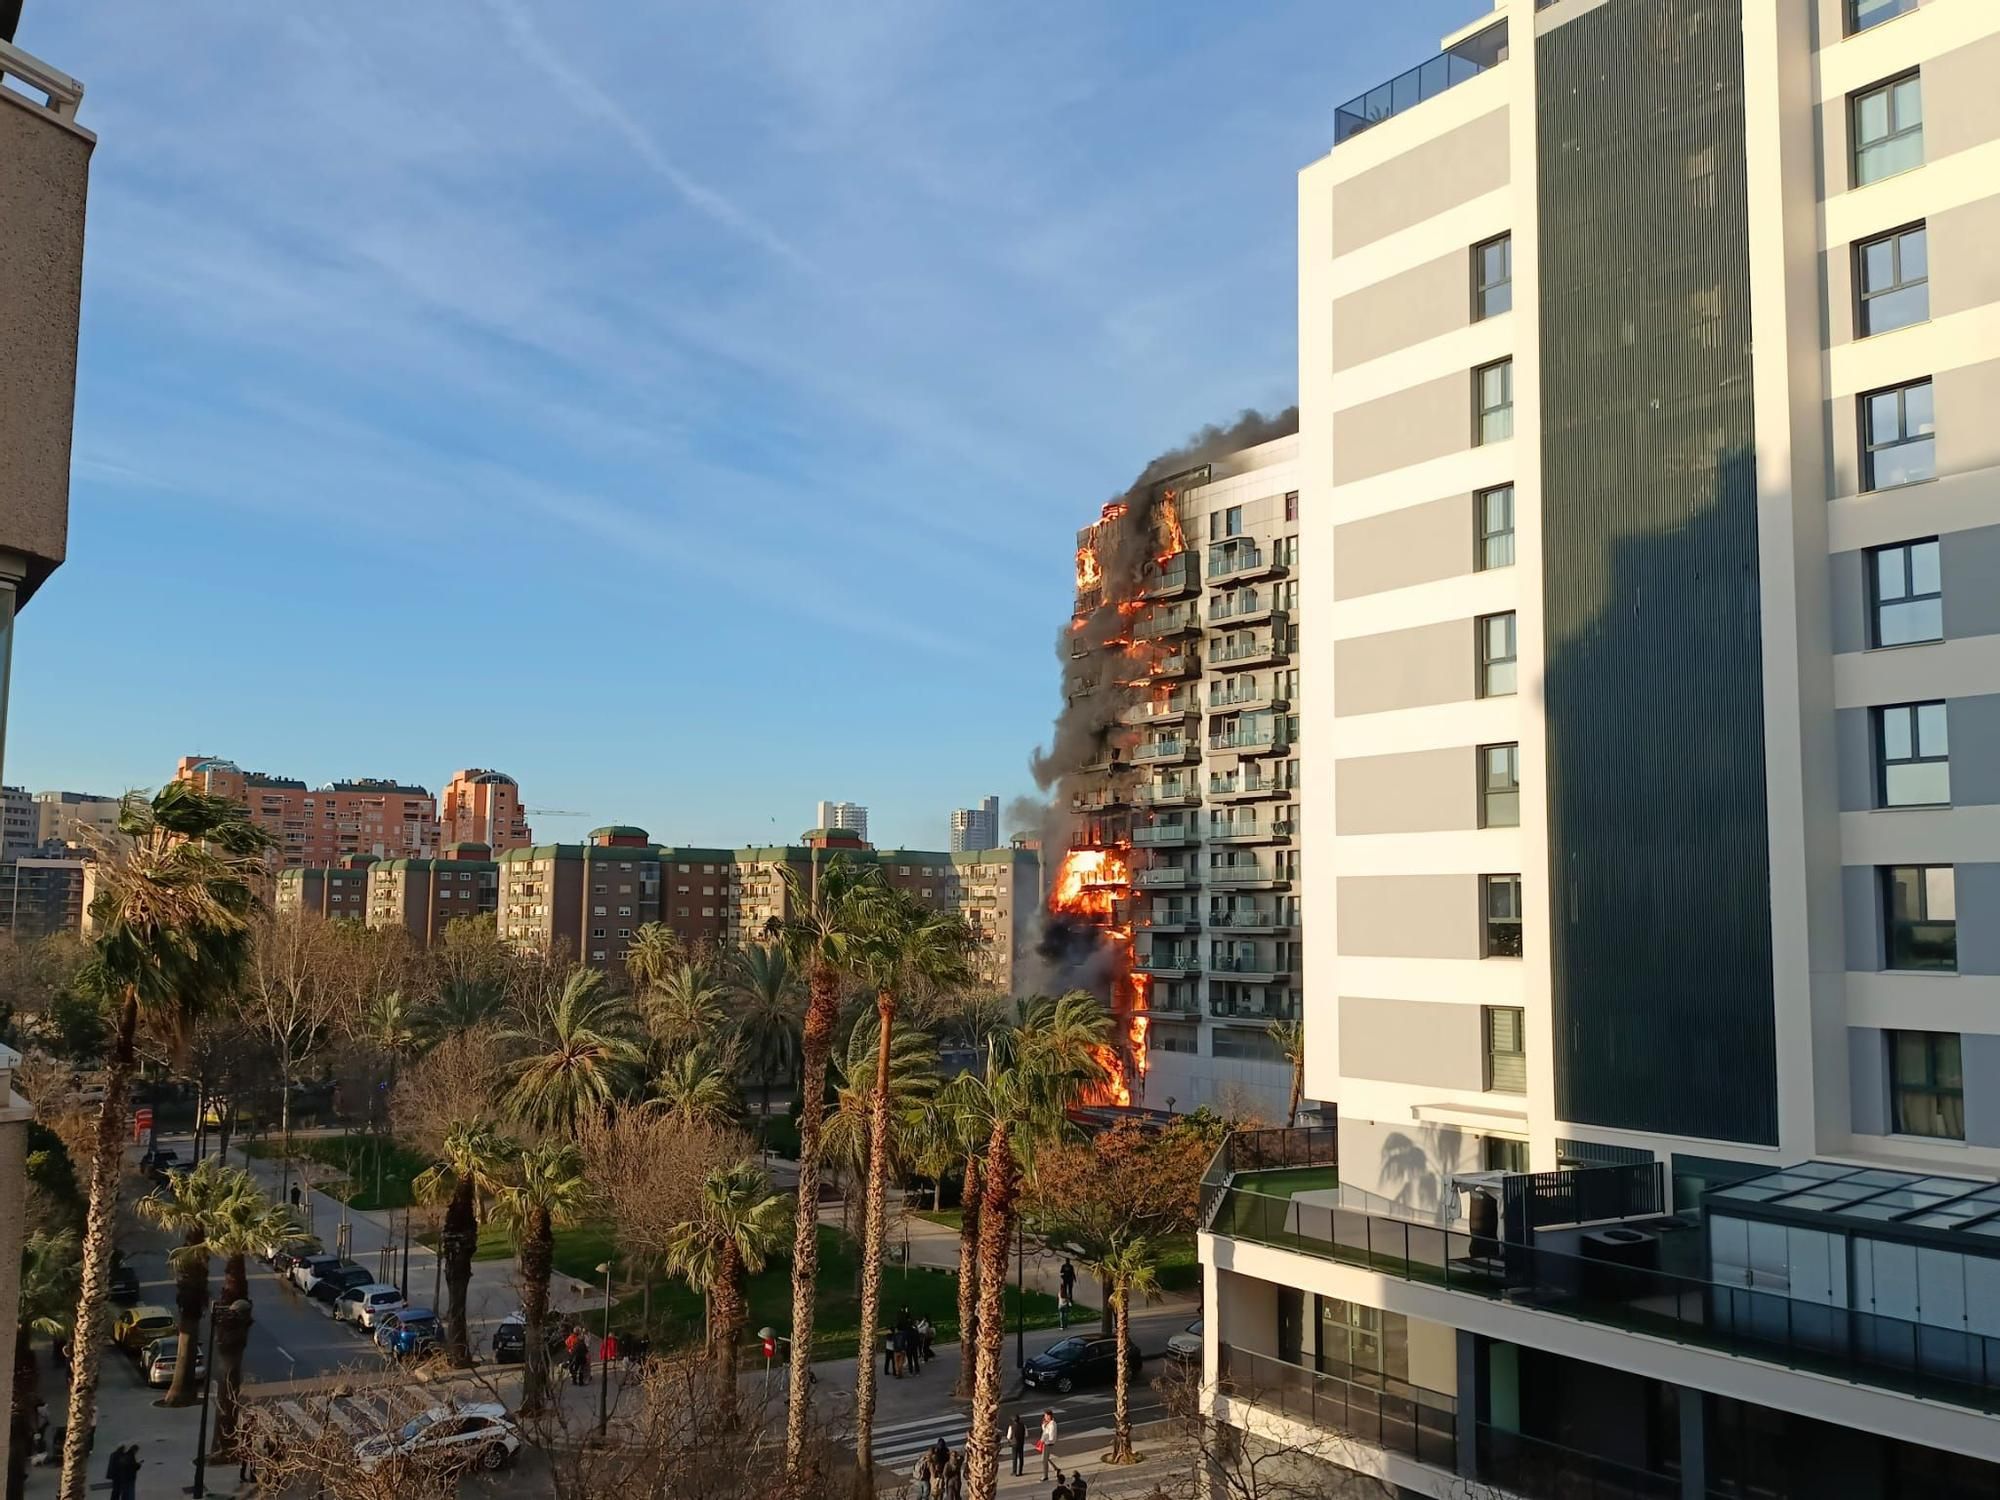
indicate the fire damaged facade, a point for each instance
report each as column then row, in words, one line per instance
column 1174, row 774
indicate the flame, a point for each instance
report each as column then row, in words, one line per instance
column 1094, row 884
column 1089, row 575
column 1172, row 539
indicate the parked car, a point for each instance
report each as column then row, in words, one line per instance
column 328, row 1286
column 361, row 1305
column 1185, row 1346
column 510, row 1339
column 157, row 1161
column 284, row 1257
column 469, row 1434
column 1075, row 1362
column 162, row 1356
column 304, row 1268
column 414, row 1332
column 139, row 1326
column 124, row 1283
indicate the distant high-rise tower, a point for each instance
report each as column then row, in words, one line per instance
column 484, row 807
column 976, row 828
column 851, row 816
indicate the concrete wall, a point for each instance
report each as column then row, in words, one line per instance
column 1423, row 791
column 1412, row 668
column 1376, row 1042
column 1409, row 916
column 1439, row 174
column 1399, row 548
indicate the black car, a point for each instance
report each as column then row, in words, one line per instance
column 510, row 1340
column 124, row 1284
column 157, row 1162
column 332, row 1283
column 1077, row 1361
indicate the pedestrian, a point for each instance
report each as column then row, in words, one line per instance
column 1068, row 1274
column 114, row 1470
column 580, row 1361
column 607, row 1352
column 1062, row 1491
column 954, row 1478
column 1079, row 1487
column 927, row 1339
column 925, row 1474
column 1046, row 1445
column 889, row 1353
column 1017, row 1439
column 1062, row 1309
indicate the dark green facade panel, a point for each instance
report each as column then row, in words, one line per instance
column 1659, row 862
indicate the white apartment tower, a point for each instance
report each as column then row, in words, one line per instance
column 1649, row 364
column 850, row 817
column 976, row 829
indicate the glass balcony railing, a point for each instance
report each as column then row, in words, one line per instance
column 1515, row 1464
column 1222, row 655
column 1937, row 1363
column 1427, row 80
column 1388, row 1414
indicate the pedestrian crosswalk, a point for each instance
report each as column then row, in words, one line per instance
column 356, row 1413
column 899, row 1444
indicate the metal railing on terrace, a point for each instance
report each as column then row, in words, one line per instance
column 1462, row 63
column 1391, row 1414
column 1936, row 1363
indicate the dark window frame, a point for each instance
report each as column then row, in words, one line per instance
column 1903, row 934
column 1487, row 662
column 1481, row 411
column 1506, row 929
column 1865, row 294
column 1487, row 789
column 1506, row 1068
column 1484, row 537
column 1877, row 603
column 1855, row 145
column 1946, row 1100
column 1919, row 754
column 1855, row 26
column 1871, row 481
column 1483, row 290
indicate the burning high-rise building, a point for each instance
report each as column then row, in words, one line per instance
column 1149, row 863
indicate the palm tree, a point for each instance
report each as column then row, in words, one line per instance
column 48, row 1290
column 906, row 946
column 1041, row 1069
column 685, row 1006
column 965, row 1108
column 765, row 992
column 192, row 1205
column 695, row 1087
column 850, row 1123
column 821, row 934
column 740, row 1227
column 1130, row 1267
column 466, row 1170
column 1290, row 1039
column 548, row 1193
column 253, row 1225
column 655, row 949
column 464, row 1001
column 390, row 1025
column 581, row 1055
column 172, row 916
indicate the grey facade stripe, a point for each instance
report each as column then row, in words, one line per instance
column 1973, row 726
column 1854, row 740
column 1457, row 167
column 1375, row 1042
column 1848, row 577
column 1867, row 1081
column 1658, row 831
column 1399, row 548
column 1968, row 562
column 1861, row 912
column 1979, row 1058
column 1424, row 302
column 1979, row 919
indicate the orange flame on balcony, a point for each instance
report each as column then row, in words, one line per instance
column 1092, row 885
column 1089, row 575
column 1172, row 539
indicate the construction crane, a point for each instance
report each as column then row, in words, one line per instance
column 552, row 812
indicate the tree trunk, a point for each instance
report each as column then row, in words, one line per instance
column 538, row 1249
column 822, row 1014
column 996, row 1214
column 873, row 1231
column 1104, row 1307
column 191, row 1304
column 460, row 1237
column 730, row 1316
column 1298, row 1091
column 86, row 1351
column 232, row 1336
column 937, row 1193
column 1121, row 1398
column 285, row 1128
column 968, row 1275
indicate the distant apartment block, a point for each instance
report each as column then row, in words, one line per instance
column 316, row 826
column 339, row 889
column 976, row 828
column 41, row 896
column 81, row 820
column 424, row 895
column 17, row 823
column 848, row 817
column 483, row 807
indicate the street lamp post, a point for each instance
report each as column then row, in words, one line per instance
column 238, row 1308
column 1020, row 1293
column 603, row 1369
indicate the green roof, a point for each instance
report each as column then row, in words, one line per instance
column 618, row 831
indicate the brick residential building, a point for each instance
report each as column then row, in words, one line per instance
column 318, row 826
column 483, row 807
column 336, row 890
column 424, row 896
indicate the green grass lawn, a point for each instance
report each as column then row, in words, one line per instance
column 676, row 1313
column 1288, row 1181
column 779, row 1134
column 357, row 1156
column 1180, row 1264
column 952, row 1218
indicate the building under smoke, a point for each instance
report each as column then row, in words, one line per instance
column 1167, row 706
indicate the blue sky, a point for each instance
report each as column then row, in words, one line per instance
column 686, row 407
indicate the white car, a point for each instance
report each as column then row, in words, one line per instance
column 473, row 1433
column 362, row 1305
column 309, row 1268
column 161, row 1358
column 1186, row 1345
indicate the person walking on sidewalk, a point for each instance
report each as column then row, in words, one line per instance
column 1048, row 1445
column 1063, row 1307
column 1017, row 1439
column 1068, row 1274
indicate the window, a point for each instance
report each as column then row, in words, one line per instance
column 1909, row 593
column 597, row 932
column 1927, row 1084
column 1887, row 124
column 1225, row 523
column 1492, row 277
column 1921, row 905
column 1913, row 754
column 1862, row 14
column 597, row 911
column 1506, row 1051
column 1496, row 528
column 1499, row 1154
column 1898, row 436
column 1493, row 391
column 1500, row 905
column 1500, row 786
column 1292, row 506
column 1892, row 280
column 1496, row 655
column 598, row 954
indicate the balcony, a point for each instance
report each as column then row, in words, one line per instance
column 1262, row 695
column 1245, row 877
column 1255, row 923
column 1182, row 710
column 1179, row 575
column 1244, row 607
column 1170, row 965
column 1176, row 834
column 1240, row 788
column 1171, row 919
column 1167, row 751
column 1164, row 621
column 1234, row 562
column 1277, row 831
column 1101, row 799
column 1251, row 1193
column 1173, row 667
column 1229, row 1008
column 1170, row 794
column 1388, row 1414
column 1256, row 968
column 1163, row 878
column 1406, row 91
column 1254, row 739
column 1265, row 652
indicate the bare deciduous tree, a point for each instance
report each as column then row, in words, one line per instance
column 294, row 998
column 458, row 1079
